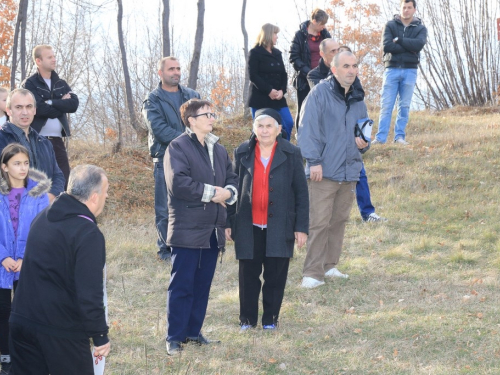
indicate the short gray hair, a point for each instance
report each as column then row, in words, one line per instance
column 84, row 180
column 161, row 64
column 23, row 92
column 323, row 43
column 336, row 58
column 263, row 117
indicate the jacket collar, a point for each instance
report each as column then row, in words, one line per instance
column 38, row 184
column 279, row 157
column 54, row 77
column 356, row 92
column 416, row 21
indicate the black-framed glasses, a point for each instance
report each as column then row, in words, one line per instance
column 208, row 114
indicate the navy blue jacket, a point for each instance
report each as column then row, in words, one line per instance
column 46, row 159
column 59, row 107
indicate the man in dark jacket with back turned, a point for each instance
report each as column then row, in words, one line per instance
column 59, row 301
column 403, row 39
column 54, row 100
column 161, row 113
column 21, row 108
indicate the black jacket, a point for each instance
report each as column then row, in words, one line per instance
column 187, row 169
column 60, row 291
column 405, row 53
column 163, row 119
column 300, row 56
column 317, row 74
column 46, row 159
column 288, row 206
column 267, row 72
column 59, row 107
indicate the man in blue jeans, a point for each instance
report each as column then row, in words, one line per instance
column 161, row 113
column 403, row 38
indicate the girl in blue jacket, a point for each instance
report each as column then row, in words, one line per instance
column 23, row 194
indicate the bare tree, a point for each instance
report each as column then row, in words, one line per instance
column 165, row 31
column 246, row 82
column 20, row 29
column 198, row 41
column 126, row 76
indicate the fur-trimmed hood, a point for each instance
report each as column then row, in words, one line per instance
column 38, row 184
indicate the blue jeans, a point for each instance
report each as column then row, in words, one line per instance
column 189, row 289
column 363, row 195
column 398, row 83
column 286, row 118
column 161, row 207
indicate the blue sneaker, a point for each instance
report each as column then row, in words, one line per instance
column 270, row 327
column 245, row 327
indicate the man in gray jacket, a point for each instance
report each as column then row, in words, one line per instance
column 333, row 162
column 161, row 113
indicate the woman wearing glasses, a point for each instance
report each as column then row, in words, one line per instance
column 200, row 183
column 268, row 77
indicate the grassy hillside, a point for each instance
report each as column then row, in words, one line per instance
column 423, row 294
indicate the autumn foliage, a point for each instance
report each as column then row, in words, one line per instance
column 8, row 10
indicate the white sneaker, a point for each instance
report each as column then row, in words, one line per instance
column 309, row 282
column 373, row 217
column 401, row 141
column 376, row 142
column 336, row 273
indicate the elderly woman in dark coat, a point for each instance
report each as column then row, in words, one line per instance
column 271, row 213
column 200, row 182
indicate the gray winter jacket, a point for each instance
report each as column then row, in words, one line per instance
column 163, row 119
column 326, row 136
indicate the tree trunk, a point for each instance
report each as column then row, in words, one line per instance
column 23, row 39
column 20, row 22
column 165, row 30
column 198, row 41
column 246, row 83
column 126, row 76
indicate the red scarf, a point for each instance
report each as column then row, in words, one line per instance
column 260, row 191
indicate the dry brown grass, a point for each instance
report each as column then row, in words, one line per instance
column 423, row 293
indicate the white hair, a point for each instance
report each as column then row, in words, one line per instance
column 263, row 117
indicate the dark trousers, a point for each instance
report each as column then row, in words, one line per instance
column 161, row 207
column 275, row 274
column 187, row 297
column 363, row 195
column 61, row 157
column 301, row 95
column 5, row 305
column 34, row 353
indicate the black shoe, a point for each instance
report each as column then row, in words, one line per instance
column 173, row 347
column 201, row 340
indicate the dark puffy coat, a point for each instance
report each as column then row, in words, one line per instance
column 46, row 159
column 267, row 72
column 300, row 56
column 163, row 119
column 405, row 53
column 59, row 107
column 187, row 170
column 60, row 291
column 317, row 74
column 288, row 209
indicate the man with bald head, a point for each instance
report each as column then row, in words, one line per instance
column 21, row 108
column 333, row 164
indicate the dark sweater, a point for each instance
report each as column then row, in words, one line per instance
column 60, row 292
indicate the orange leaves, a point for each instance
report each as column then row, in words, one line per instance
column 8, row 10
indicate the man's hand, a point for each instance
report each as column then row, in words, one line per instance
column 221, row 196
column 228, row 234
column 51, row 197
column 102, row 350
column 300, row 238
column 66, row 96
column 316, row 173
column 9, row 264
column 280, row 95
column 360, row 143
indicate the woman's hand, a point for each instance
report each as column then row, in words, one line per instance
column 280, row 95
column 221, row 196
column 9, row 264
column 273, row 94
column 102, row 350
column 300, row 238
column 19, row 264
column 228, row 234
